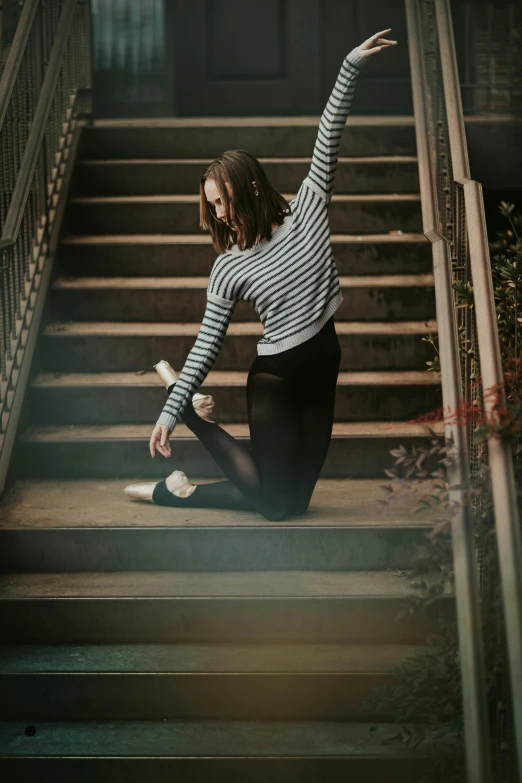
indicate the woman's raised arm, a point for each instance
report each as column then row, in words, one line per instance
column 326, row 150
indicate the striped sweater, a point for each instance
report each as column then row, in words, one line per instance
column 290, row 279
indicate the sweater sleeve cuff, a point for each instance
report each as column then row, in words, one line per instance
column 355, row 58
column 167, row 420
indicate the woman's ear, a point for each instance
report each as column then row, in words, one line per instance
column 254, row 183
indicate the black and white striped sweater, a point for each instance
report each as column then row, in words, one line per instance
column 290, row 279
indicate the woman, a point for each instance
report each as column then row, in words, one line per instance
column 282, row 263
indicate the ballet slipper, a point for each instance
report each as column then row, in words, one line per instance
column 177, row 483
column 140, row 491
column 202, row 403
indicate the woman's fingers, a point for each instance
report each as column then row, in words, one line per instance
column 370, row 42
column 159, row 441
column 377, row 42
column 162, row 450
column 166, row 450
column 379, row 35
column 153, row 441
column 375, row 49
column 164, row 442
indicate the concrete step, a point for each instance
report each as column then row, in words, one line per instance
column 84, row 525
column 162, row 214
column 71, row 503
column 161, row 299
column 207, row 137
column 357, row 449
column 211, row 681
column 137, row 255
column 155, row 176
column 359, row 607
column 118, row 398
column 199, row 751
column 115, row 347
column 74, row 549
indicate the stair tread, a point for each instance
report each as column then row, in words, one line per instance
column 204, row 239
column 355, row 585
column 349, row 429
column 208, row 738
column 375, row 120
column 230, row 378
column 86, row 503
column 206, row 161
column 189, row 198
column 208, row 658
column 200, row 282
column 117, row 328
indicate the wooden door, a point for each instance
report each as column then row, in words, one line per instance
column 281, row 57
column 245, row 57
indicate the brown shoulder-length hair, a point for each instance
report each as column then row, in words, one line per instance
column 253, row 215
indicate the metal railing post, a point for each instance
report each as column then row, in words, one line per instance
column 467, row 595
column 507, row 522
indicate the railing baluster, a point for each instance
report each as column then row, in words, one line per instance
column 441, row 227
column 509, row 536
column 41, row 88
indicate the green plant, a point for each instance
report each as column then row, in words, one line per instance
column 434, row 364
column 506, row 267
column 427, row 685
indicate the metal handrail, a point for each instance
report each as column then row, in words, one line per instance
column 34, row 142
column 507, row 522
column 15, row 56
column 44, row 90
column 478, row 756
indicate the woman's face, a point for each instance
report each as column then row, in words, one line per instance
column 213, row 198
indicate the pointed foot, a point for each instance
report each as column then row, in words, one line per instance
column 140, row 491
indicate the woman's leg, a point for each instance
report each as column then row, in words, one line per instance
column 217, row 494
column 317, row 413
column 276, row 439
column 263, row 479
column 318, row 392
column 233, row 457
column 290, row 420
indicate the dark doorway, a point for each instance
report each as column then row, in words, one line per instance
column 281, row 57
column 242, row 57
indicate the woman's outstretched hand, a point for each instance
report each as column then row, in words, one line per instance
column 160, row 440
column 375, row 44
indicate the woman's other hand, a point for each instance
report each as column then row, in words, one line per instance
column 160, row 440
column 376, row 43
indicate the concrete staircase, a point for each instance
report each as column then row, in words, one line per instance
column 143, row 642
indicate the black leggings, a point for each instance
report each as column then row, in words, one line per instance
column 290, row 401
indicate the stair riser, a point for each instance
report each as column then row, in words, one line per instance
column 171, row 178
column 101, row 696
column 113, row 217
column 105, row 353
column 267, row 141
column 358, row 619
column 368, row 303
column 177, row 260
column 217, row 770
column 140, row 404
column 354, row 457
column 206, row 549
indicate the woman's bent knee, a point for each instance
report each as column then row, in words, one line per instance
column 275, row 514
